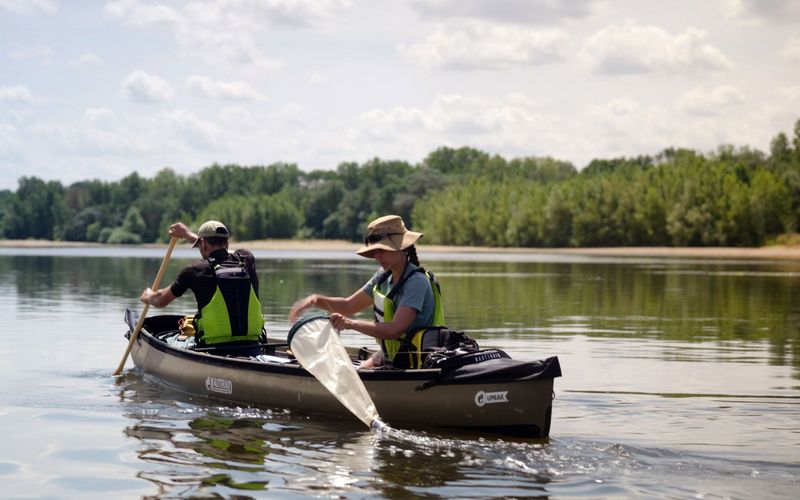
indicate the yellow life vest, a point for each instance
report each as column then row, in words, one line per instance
column 234, row 312
column 405, row 351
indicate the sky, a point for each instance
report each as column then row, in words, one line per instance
column 97, row 90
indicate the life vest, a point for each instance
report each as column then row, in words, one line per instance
column 234, row 312
column 405, row 351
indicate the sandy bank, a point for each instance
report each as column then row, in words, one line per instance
column 769, row 252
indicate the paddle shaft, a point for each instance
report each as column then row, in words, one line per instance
column 156, row 283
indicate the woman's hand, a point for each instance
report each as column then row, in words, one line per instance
column 340, row 322
column 300, row 306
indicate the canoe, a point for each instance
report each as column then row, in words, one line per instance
column 502, row 396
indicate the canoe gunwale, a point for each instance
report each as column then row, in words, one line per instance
column 241, row 363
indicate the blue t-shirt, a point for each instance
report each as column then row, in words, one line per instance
column 416, row 294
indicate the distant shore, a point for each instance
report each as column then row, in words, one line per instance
column 780, row 252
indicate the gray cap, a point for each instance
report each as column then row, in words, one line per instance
column 212, row 229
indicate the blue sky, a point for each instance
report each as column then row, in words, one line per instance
column 96, row 90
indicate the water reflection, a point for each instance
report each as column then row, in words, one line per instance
column 667, row 300
column 681, row 380
column 195, row 449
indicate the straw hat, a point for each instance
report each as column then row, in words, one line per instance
column 387, row 233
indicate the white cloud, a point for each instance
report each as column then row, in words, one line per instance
column 149, row 137
column 16, row 93
column 763, row 11
column 515, row 11
column 384, row 124
column 10, row 145
column 477, row 44
column 227, row 48
column 191, row 130
column 86, row 60
column 254, row 14
column 618, row 116
column 99, row 116
column 100, row 138
column 226, row 30
column 708, row 102
column 206, row 87
column 791, row 94
column 239, row 116
column 631, row 48
column 29, row 6
column 317, row 79
column 512, row 125
column 369, row 104
column 134, row 13
column 454, row 118
column 144, row 87
column 626, row 127
column 291, row 112
column 109, row 142
column 42, row 52
column 791, row 49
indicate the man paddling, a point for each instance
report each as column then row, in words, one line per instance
column 225, row 284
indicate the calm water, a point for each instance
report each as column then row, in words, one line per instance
column 681, row 380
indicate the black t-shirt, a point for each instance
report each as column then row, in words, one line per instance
column 199, row 277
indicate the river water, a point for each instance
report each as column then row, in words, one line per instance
column 681, row 379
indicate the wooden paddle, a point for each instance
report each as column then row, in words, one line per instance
column 156, row 282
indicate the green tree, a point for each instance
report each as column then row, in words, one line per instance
column 322, row 200
column 796, row 141
column 780, row 152
column 35, row 210
column 451, row 161
column 557, row 217
column 131, row 230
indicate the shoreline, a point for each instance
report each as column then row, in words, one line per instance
column 775, row 252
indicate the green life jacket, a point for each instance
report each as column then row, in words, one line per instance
column 405, row 351
column 234, row 312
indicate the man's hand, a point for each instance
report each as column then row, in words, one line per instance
column 147, row 296
column 157, row 298
column 180, row 230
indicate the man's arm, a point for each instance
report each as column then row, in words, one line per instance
column 159, row 298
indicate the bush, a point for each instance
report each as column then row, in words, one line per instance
column 120, row 236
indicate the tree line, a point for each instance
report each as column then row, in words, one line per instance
column 734, row 196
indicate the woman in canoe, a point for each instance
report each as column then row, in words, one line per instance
column 405, row 297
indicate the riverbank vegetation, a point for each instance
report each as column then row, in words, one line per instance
column 734, row 196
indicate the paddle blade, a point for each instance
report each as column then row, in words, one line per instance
column 317, row 347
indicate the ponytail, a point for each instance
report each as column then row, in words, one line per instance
column 411, row 254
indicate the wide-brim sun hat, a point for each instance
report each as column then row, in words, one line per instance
column 387, row 233
column 211, row 229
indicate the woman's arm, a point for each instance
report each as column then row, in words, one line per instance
column 350, row 305
column 401, row 321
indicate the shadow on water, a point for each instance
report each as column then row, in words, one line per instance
column 193, row 448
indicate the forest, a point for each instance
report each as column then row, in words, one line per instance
column 733, row 196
